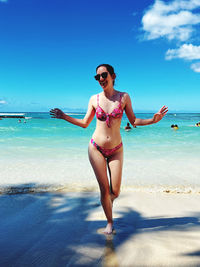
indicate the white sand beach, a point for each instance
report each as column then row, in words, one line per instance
column 64, row 229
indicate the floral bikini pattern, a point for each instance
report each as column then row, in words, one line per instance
column 103, row 116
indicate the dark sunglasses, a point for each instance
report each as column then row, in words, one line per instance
column 104, row 75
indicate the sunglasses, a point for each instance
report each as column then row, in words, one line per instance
column 104, row 75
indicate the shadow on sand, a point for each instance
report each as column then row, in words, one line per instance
column 53, row 229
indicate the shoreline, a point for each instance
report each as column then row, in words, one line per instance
column 31, row 188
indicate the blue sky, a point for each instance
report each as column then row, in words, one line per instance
column 49, row 51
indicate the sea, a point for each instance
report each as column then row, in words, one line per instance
column 42, row 154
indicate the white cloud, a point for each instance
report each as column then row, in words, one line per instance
column 177, row 20
column 186, row 51
column 195, row 67
column 3, row 102
column 173, row 20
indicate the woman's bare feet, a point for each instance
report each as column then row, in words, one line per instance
column 109, row 229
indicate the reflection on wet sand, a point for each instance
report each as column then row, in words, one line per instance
column 109, row 256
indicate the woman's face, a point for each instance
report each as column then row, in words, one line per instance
column 105, row 82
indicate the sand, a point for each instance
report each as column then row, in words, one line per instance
column 64, row 229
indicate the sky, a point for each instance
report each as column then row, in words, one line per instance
column 49, row 51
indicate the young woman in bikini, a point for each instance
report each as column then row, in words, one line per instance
column 105, row 147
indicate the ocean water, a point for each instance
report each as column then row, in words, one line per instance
column 50, row 154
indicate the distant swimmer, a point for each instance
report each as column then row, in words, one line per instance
column 19, row 121
column 127, row 127
column 174, row 126
column 197, row 124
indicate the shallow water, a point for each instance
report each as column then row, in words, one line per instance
column 49, row 153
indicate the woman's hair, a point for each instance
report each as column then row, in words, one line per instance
column 109, row 68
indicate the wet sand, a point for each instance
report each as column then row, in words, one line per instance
column 64, row 229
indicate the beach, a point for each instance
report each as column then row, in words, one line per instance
column 46, row 154
column 49, row 198
column 52, row 174
column 65, row 229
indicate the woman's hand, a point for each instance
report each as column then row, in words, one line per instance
column 57, row 113
column 160, row 114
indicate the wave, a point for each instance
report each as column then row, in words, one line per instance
column 33, row 188
column 9, row 129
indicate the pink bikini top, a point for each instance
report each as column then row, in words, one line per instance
column 103, row 116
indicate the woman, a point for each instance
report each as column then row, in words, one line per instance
column 105, row 147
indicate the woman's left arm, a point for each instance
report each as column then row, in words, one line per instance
column 141, row 122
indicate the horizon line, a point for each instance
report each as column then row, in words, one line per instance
column 84, row 111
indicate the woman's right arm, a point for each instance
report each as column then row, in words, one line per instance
column 59, row 114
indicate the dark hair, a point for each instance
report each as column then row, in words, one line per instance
column 109, row 68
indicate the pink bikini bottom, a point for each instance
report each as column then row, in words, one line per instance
column 106, row 152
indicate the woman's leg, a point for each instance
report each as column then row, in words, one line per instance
column 99, row 165
column 115, row 164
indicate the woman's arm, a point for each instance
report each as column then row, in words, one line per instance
column 141, row 122
column 59, row 114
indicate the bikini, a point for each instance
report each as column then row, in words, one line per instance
column 103, row 116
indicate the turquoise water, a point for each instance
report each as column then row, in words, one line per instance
column 51, row 152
